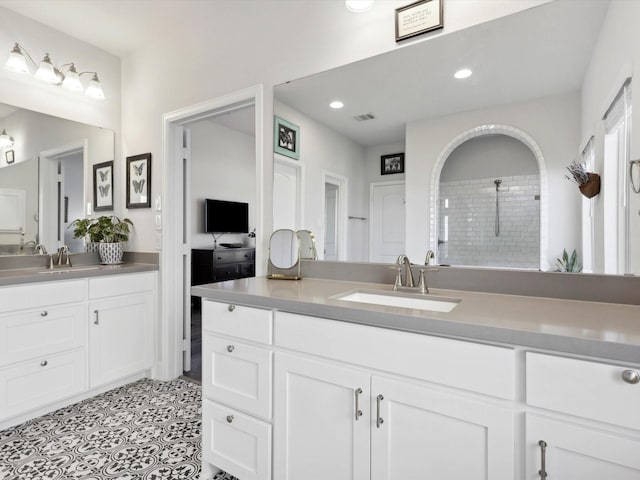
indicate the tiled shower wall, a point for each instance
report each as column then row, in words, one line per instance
column 467, row 222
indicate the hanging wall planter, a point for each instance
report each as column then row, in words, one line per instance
column 592, row 186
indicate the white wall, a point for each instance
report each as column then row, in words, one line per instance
column 222, row 168
column 616, row 56
column 325, row 151
column 553, row 122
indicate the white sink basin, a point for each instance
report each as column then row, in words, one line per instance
column 395, row 299
column 69, row 269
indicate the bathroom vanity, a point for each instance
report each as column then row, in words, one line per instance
column 66, row 335
column 300, row 383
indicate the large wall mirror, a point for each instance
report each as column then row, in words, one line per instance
column 45, row 178
column 472, row 169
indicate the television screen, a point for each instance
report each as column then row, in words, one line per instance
column 221, row 216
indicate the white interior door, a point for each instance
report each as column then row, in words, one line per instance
column 331, row 199
column 387, row 212
column 286, row 196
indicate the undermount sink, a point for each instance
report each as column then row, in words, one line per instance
column 69, row 269
column 431, row 303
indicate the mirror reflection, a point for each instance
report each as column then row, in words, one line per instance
column 307, row 245
column 45, row 178
column 482, row 179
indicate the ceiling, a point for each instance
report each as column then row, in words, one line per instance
column 536, row 53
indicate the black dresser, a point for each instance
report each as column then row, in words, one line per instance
column 209, row 265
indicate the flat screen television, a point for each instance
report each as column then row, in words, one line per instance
column 221, row 216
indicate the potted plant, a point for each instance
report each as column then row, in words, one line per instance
column 568, row 263
column 112, row 233
column 82, row 229
column 588, row 182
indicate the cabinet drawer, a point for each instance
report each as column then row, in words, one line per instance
column 41, row 381
column 237, row 374
column 471, row 366
column 231, row 256
column 244, row 322
column 236, row 443
column 226, row 272
column 583, row 388
column 34, row 333
column 41, row 295
column 113, row 285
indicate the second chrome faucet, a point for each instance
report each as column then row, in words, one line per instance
column 409, row 284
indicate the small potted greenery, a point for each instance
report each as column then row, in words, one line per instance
column 81, row 229
column 588, row 182
column 568, row 263
column 113, row 233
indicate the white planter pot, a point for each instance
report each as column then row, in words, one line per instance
column 92, row 247
column 111, row 253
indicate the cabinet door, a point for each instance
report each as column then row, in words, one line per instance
column 316, row 434
column 121, row 337
column 578, row 452
column 428, row 433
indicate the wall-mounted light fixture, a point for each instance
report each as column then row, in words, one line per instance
column 5, row 139
column 358, row 6
column 66, row 75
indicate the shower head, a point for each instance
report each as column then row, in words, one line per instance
column 497, row 181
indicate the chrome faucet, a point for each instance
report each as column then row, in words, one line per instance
column 429, row 257
column 62, row 252
column 403, row 260
column 40, row 249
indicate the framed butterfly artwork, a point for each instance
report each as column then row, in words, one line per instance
column 103, row 186
column 139, row 181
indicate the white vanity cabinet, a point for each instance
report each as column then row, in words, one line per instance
column 42, row 345
column 237, row 366
column 369, row 421
column 121, row 326
column 592, row 428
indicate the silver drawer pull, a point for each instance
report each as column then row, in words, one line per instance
column 358, row 392
column 44, row 313
column 229, row 418
column 232, row 307
column 543, row 460
column 44, row 363
column 379, row 419
column 230, row 348
column 631, row 376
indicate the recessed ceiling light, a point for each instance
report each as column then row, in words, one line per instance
column 358, row 5
column 336, row 104
column 463, row 73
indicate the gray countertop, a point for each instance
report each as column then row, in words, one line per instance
column 20, row 276
column 605, row 330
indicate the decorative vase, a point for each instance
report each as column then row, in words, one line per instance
column 592, row 187
column 111, row 253
column 92, row 247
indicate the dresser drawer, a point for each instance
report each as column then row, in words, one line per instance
column 41, row 381
column 249, row 323
column 471, row 366
column 236, row 443
column 584, row 388
column 44, row 294
column 34, row 333
column 226, row 272
column 232, row 256
column 237, row 374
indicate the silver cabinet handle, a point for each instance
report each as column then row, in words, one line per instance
column 379, row 419
column 358, row 392
column 232, row 307
column 543, row 459
column 44, row 313
column 44, row 363
column 230, row 348
column 229, row 418
column 631, row 376
column 97, row 320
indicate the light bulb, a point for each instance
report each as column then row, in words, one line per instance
column 94, row 90
column 5, row 139
column 72, row 80
column 463, row 73
column 16, row 62
column 336, row 104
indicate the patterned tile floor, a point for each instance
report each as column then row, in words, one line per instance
column 147, row 430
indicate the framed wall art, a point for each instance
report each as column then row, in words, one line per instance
column 103, row 186
column 286, row 138
column 393, row 163
column 9, row 157
column 417, row 18
column 139, row 181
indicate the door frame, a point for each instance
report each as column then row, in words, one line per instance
column 175, row 242
column 342, row 219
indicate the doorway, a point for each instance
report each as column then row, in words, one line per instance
column 387, row 227
column 174, row 240
column 335, row 217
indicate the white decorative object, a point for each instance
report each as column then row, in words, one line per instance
column 111, row 253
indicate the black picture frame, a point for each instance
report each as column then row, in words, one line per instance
column 139, row 181
column 392, row 164
column 103, row 186
column 419, row 18
column 9, row 156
